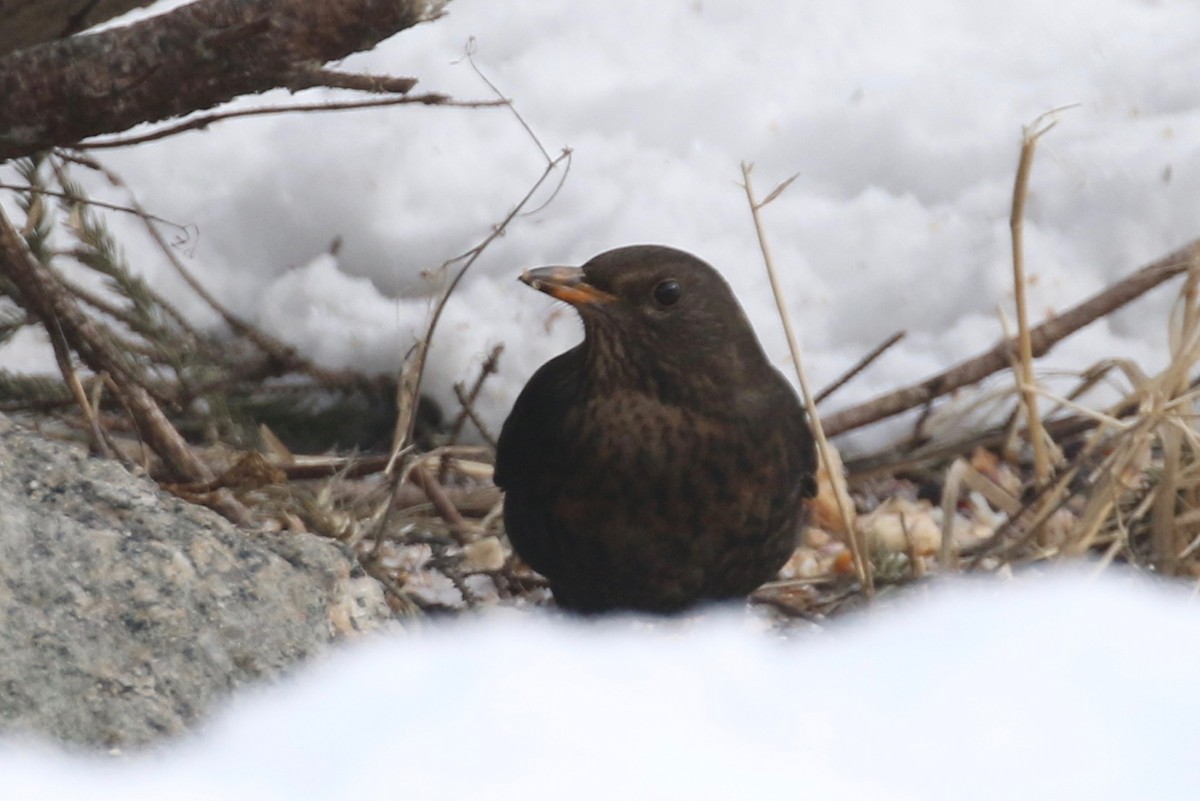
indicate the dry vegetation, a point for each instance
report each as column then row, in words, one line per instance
column 232, row 420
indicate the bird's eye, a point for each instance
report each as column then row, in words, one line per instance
column 668, row 292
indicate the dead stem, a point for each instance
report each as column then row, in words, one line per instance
column 409, row 389
column 862, row 567
column 1024, row 366
column 201, row 121
column 860, row 365
column 467, row 402
column 468, row 408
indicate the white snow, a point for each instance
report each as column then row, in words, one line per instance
column 1044, row 688
column 903, row 121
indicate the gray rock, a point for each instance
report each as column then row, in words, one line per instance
column 125, row 612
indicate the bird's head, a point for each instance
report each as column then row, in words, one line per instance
column 658, row 319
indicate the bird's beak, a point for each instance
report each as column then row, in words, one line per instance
column 566, row 283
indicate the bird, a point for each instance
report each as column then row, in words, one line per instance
column 662, row 463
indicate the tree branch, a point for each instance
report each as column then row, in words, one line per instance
column 42, row 296
column 200, row 55
column 1043, row 337
column 24, row 23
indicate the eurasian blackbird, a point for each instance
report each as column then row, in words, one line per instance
column 662, row 462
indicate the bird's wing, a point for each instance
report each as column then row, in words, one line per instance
column 533, row 452
column 532, row 434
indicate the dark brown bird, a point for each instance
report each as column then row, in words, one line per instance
column 662, row 462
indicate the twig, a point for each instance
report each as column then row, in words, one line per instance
column 861, row 566
column 408, row 607
column 468, row 407
column 100, row 204
column 487, row 369
column 1042, row 338
column 50, row 302
column 890, row 461
column 205, row 120
column 409, row 389
column 861, row 365
column 469, row 54
column 62, row 355
column 315, row 76
column 459, row 528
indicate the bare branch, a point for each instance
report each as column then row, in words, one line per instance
column 1043, row 337
column 41, row 295
column 201, row 121
column 314, row 75
column 194, row 57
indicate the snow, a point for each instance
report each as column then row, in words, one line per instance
column 1061, row 686
column 902, row 120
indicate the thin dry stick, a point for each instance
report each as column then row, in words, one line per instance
column 62, row 355
column 100, row 204
column 1024, row 371
column 861, row 365
column 410, row 383
column 468, row 407
column 1027, row 522
column 1054, row 496
column 205, row 120
column 1013, row 439
column 861, row 566
column 487, row 369
column 414, row 370
column 459, row 528
column 1165, row 534
column 893, row 460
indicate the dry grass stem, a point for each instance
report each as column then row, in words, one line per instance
column 950, row 495
column 862, row 566
column 1024, row 373
column 414, row 368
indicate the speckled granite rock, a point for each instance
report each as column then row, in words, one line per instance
column 125, row 613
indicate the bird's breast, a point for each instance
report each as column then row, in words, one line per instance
column 643, row 441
